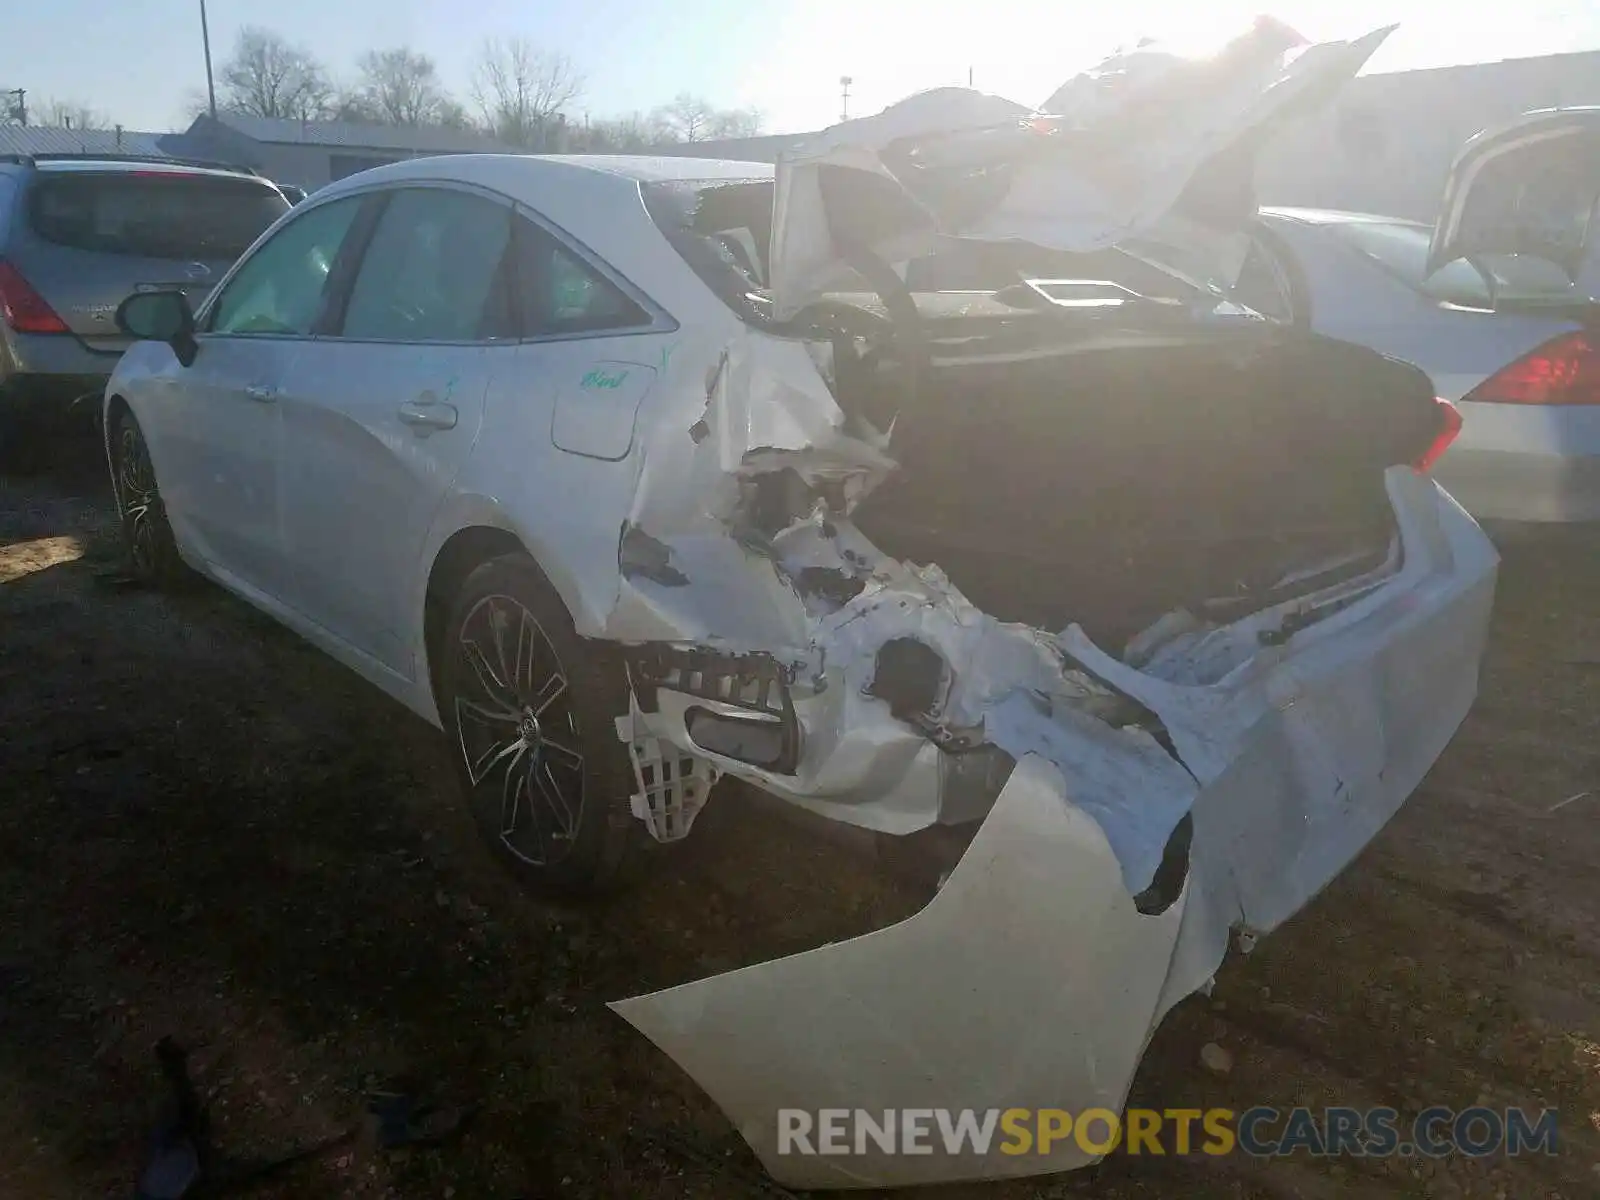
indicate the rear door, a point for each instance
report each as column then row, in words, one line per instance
column 92, row 237
column 1525, row 188
column 380, row 415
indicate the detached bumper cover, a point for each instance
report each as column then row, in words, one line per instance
column 1032, row 980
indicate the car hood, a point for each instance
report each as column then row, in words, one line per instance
column 1148, row 152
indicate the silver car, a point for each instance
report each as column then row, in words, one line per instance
column 1485, row 302
column 78, row 235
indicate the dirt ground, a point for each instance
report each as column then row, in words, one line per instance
column 209, row 830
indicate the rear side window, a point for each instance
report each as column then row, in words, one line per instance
column 153, row 214
column 558, row 293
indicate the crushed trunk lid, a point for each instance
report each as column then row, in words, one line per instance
column 1149, row 149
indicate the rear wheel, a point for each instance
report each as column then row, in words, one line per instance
column 146, row 534
column 530, row 709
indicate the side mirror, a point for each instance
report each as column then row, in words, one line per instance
column 160, row 317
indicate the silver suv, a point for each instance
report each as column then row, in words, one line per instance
column 78, row 235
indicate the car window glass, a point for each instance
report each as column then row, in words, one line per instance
column 431, row 270
column 279, row 288
column 560, row 293
column 155, row 213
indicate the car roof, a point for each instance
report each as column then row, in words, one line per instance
column 512, row 172
column 143, row 166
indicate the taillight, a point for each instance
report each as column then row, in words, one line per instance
column 1564, row 370
column 1449, row 428
column 22, row 307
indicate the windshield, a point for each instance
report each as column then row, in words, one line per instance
column 154, row 215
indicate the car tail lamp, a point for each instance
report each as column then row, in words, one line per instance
column 1564, row 370
column 23, row 309
column 1449, row 429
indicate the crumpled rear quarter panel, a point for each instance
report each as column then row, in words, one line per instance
column 1031, row 980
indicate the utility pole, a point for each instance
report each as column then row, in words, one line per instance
column 205, row 37
column 19, row 109
column 844, row 97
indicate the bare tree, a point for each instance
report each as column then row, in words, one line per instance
column 615, row 135
column 401, row 87
column 267, row 76
column 356, row 106
column 13, row 107
column 454, row 115
column 687, row 119
column 521, row 91
column 736, row 123
column 69, row 114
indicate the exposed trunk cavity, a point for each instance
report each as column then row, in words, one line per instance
column 1133, row 474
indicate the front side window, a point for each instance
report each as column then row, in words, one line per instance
column 433, row 270
column 280, row 288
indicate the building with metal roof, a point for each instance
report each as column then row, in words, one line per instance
column 312, row 153
column 40, row 139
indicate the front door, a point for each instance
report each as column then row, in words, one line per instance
column 220, row 425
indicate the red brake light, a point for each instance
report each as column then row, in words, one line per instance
column 1449, row 428
column 1565, row 370
column 22, row 307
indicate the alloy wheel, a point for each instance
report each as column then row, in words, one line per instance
column 518, row 731
column 141, row 502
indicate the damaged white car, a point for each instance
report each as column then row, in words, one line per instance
column 936, row 481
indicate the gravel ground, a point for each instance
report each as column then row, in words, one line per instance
column 211, row 831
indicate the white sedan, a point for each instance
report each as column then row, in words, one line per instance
column 601, row 466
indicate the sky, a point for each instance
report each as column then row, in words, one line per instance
column 140, row 61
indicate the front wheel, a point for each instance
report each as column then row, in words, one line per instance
column 530, row 710
column 146, row 534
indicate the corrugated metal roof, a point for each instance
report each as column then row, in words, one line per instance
column 38, row 139
column 349, row 135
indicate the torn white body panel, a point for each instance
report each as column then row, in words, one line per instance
column 1033, row 979
column 1030, row 957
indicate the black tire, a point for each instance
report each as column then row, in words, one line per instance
column 146, row 534
column 514, row 673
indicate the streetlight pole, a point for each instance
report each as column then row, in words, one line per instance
column 205, row 36
column 844, row 97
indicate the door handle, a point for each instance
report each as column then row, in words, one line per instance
column 428, row 414
column 261, row 394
